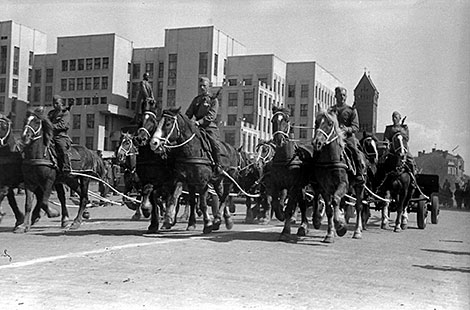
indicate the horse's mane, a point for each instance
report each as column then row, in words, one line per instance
column 47, row 127
column 331, row 116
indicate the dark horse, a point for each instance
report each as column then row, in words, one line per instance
column 330, row 175
column 177, row 135
column 396, row 182
column 41, row 174
column 284, row 177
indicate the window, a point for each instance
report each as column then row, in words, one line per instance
column 248, row 98
column 291, row 91
column 71, row 84
column 48, row 93
column 104, row 82
column 87, row 101
column 3, row 85
column 216, row 64
column 76, row 121
column 3, row 59
column 96, row 83
column 203, row 61
column 172, row 64
column 232, row 82
column 81, row 64
column 2, row 103
column 95, row 100
column 72, row 64
column 149, row 69
column 75, row 140
column 16, row 60
column 231, row 119
column 160, row 70
column 63, row 84
column 104, row 100
column 89, row 63
column 49, row 75
column 136, row 71
column 105, row 62
column 304, row 91
column 230, row 137
column 37, row 94
column 97, row 63
column 37, row 76
column 303, row 109
column 65, row 65
column 171, row 99
column 89, row 143
column 232, row 99
column 90, row 120
column 30, row 59
column 78, row 101
column 79, row 83
column 88, row 83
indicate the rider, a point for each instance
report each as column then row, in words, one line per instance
column 204, row 109
column 60, row 119
column 144, row 97
column 348, row 121
column 399, row 127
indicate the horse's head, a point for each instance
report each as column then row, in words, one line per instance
column 326, row 130
column 149, row 125
column 36, row 124
column 5, row 130
column 169, row 128
column 281, row 126
column 126, row 148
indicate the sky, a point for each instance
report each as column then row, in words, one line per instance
column 416, row 52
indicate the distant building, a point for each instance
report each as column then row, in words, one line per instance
column 447, row 166
column 366, row 98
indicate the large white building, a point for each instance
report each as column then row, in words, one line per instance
column 101, row 75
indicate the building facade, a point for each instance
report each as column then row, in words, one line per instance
column 18, row 46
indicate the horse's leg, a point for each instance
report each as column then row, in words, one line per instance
column 169, row 219
column 205, row 212
column 359, row 191
column 192, row 213
column 330, row 231
column 19, row 216
column 84, row 182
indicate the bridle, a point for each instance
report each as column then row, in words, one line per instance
column 166, row 142
column 7, row 134
column 36, row 132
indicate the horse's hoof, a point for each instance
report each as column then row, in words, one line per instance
column 136, row 217
column 357, row 235
column 328, row 239
column 301, row 232
column 20, row 229
column 191, row 228
column 86, row 215
column 228, row 223
column 207, row 229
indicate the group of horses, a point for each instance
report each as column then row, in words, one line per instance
column 168, row 155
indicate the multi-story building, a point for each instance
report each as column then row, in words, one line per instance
column 310, row 88
column 366, row 99
column 18, row 46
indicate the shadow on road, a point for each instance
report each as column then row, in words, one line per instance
column 444, row 268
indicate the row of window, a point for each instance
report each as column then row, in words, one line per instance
column 87, row 83
column 97, row 63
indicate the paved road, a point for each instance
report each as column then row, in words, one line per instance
column 110, row 264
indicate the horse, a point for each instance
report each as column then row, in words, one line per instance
column 177, row 135
column 330, row 175
column 396, row 182
column 41, row 173
column 284, row 179
column 126, row 155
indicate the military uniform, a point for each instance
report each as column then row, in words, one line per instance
column 204, row 109
column 348, row 121
column 61, row 123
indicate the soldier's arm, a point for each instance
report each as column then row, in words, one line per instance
column 211, row 114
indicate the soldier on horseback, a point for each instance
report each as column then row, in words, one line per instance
column 348, row 121
column 399, row 127
column 60, row 119
column 204, row 109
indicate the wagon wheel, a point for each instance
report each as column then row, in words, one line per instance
column 421, row 214
column 435, row 209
